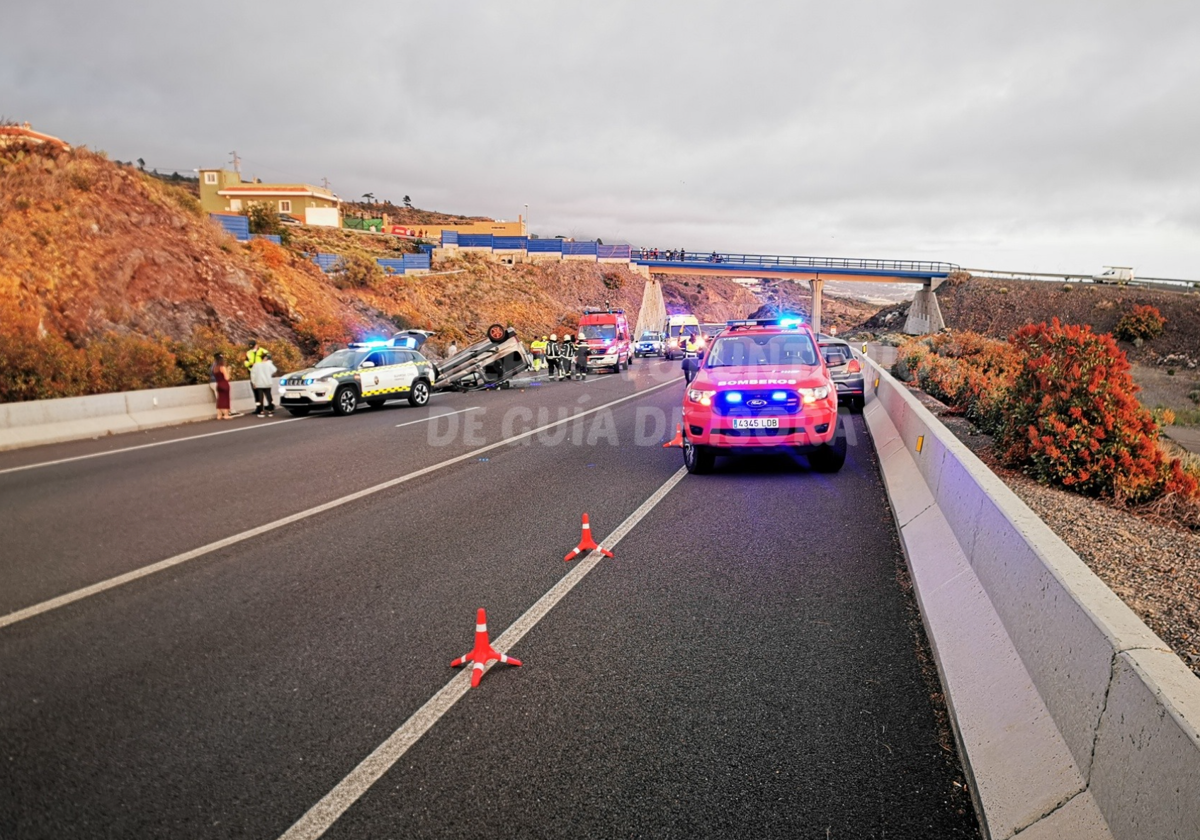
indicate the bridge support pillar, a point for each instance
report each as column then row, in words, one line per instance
column 924, row 316
column 816, row 286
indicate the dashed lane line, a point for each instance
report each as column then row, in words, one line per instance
column 436, row 416
column 324, row 814
column 145, row 571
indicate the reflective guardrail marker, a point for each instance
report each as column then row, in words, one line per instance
column 920, row 442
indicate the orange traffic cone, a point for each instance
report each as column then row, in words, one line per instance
column 483, row 652
column 586, row 543
column 677, row 440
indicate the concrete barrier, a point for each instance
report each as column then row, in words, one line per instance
column 1073, row 719
column 78, row 418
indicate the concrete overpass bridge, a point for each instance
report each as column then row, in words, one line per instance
column 924, row 315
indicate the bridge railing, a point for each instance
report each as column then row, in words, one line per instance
column 773, row 260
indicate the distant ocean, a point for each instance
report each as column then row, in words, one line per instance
column 882, row 294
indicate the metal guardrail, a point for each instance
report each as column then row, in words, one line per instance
column 773, row 260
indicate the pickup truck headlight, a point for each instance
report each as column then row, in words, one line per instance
column 811, row 395
column 697, row 395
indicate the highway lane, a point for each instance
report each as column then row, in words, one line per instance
column 226, row 696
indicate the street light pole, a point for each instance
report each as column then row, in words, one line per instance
column 526, row 218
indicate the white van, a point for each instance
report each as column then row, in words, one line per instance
column 675, row 331
column 1121, row 274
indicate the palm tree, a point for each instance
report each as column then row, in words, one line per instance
column 370, row 197
column 407, row 201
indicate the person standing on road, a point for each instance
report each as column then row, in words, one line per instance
column 262, row 377
column 581, row 359
column 691, row 357
column 567, row 358
column 553, row 357
column 221, row 377
column 538, row 348
column 254, row 355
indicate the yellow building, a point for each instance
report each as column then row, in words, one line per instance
column 222, row 191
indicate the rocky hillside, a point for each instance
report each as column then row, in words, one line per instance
column 95, row 253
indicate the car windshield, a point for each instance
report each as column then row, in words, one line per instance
column 649, row 336
column 343, row 359
column 836, row 354
column 605, row 332
column 786, row 350
column 684, row 329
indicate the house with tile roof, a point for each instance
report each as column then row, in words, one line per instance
column 223, row 191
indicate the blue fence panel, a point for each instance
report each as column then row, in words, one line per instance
column 391, row 266
column 449, row 237
column 475, row 240
column 612, row 251
column 509, row 243
column 270, row 237
column 327, row 262
column 237, row 226
column 417, row 262
column 545, row 246
column 576, row 249
column 426, row 248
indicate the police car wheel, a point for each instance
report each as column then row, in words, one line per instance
column 698, row 460
column 419, row 395
column 345, row 401
column 830, row 457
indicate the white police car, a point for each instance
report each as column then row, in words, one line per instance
column 370, row 372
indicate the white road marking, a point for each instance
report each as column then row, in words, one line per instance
column 149, row 445
column 120, row 580
column 436, row 416
column 325, row 813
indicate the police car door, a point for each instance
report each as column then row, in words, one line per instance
column 378, row 379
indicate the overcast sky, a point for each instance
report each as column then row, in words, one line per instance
column 1037, row 136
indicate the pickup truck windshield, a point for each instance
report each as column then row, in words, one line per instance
column 762, row 350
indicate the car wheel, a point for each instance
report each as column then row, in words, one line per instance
column 345, row 401
column 376, row 403
column 299, row 411
column 856, row 404
column 829, row 457
column 697, row 459
column 419, row 395
column 496, row 333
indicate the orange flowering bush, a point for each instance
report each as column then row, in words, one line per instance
column 1072, row 418
column 1140, row 323
column 969, row 372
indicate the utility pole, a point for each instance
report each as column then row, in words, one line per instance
column 237, row 163
column 325, row 183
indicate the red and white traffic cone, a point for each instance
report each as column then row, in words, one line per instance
column 677, row 440
column 483, row 653
column 586, row 543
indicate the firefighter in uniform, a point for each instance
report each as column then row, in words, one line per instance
column 581, row 357
column 553, row 357
column 691, row 357
column 567, row 359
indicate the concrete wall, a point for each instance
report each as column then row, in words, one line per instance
column 77, row 418
column 1073, row 719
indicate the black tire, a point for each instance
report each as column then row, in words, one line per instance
column 345, row 401
column 496, row 333
column 856, row 404
column 419, row 395
column 376, row 403
column 299, row 411
column 829, row 457
column 699, row 460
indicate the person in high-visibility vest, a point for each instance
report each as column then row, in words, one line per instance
column 538, row 348
column 254, row 355
column 691, row 356
column 553, row 356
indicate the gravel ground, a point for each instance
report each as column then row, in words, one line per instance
column 1153, row 567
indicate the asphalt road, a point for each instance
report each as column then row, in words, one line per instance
column 748, row 665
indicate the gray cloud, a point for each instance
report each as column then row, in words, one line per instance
column 1046, row 136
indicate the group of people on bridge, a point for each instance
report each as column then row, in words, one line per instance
column 681, row 255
